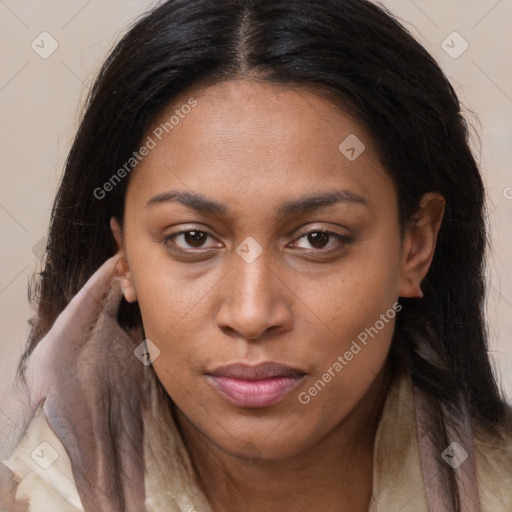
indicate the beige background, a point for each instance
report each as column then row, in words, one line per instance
column 39, row 107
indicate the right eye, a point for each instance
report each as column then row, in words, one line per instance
column 189, row 240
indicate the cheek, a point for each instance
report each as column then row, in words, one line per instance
column 170, row 312
column 169, row 293
column 359, row 308
column 362, row 310
column 177, row 317
column 354, row 351
column 365, row 288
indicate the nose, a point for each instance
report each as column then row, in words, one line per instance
column 254, row 301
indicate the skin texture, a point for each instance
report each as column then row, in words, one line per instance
column 301, row 302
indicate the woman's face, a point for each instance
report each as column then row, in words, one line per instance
column 227, row 260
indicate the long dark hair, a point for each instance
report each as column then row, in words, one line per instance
column 359, row 56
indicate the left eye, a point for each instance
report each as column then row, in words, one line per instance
column 319, row 239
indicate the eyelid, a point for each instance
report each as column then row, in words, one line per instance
column 311, row 227
column 299, row 232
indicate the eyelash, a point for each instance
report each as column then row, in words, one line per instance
column 342, row 239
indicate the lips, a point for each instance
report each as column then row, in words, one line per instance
column 262, row 385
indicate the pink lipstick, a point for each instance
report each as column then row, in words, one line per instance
column 262, row 385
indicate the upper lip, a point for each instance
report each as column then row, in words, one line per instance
column 260, row 371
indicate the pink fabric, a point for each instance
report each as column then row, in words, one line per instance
column 93, row 387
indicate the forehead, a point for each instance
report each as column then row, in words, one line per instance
column 260, row 115
column 252, row 141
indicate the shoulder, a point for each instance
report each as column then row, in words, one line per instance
column 38, row 476
column 493, row 459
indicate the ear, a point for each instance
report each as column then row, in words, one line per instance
column 419, row 244
column 122, row 268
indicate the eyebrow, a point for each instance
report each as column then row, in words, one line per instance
column 304, row 204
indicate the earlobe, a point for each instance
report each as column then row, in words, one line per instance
column 122, row 268
column 420, row 243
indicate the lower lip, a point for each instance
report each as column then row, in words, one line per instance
column 255, row 393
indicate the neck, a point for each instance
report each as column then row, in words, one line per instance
column 335, row 474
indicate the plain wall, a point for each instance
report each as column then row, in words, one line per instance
column 40, row 103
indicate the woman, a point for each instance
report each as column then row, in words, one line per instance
column 263, row 286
